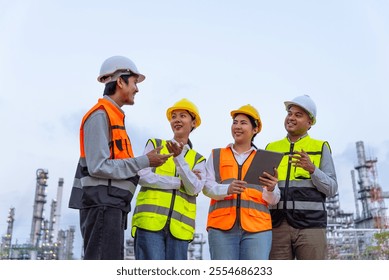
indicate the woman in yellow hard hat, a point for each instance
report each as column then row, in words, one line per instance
column 163, row 223
column 239, row 222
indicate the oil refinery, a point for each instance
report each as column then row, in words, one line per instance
column 47, row 241
column 349, row 235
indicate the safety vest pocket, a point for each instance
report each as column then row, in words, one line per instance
column 227, row 169
column 119, row 144
column 222, row 212
column 301, row 173
column 255, row 196
column 166, row 169
column 121, row 148
column 259, row 214
column 116, row 192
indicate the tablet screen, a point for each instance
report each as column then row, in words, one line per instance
column 263, row 161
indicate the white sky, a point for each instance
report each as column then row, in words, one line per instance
column 218, row 54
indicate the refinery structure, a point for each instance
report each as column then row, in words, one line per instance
column 349, row 235
column 47, row 241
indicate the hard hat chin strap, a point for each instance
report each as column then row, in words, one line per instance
column 119, row 73
column 116, row 75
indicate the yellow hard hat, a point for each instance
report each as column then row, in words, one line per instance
column 184, row 104
column 251, row 111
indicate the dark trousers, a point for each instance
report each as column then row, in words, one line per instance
column 102, row 230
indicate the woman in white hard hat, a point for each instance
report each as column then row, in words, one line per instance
column 163, row 223
column 239, row 224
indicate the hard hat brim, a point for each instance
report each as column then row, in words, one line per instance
column 116, row 66
column 171, row 109
column 234, row 112
column 290, row 103
column 140, row 79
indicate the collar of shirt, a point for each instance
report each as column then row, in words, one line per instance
column 305, row 135
column 240, row 158
column 113, row 102
column 184, row 149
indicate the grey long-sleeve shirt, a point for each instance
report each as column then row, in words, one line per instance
column 324, row 177
column 97, row 152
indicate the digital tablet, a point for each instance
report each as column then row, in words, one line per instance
column 263, row 161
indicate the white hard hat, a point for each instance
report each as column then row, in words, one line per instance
column 115, row 66
column 305, row 102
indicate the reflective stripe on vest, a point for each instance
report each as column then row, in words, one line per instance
column 115, row 193
column 253, row 210
column 301, row 203
column 155, row 207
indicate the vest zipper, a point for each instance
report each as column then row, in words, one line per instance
column 174, row 193
column 171, row 209
column 238, row 197
column 288, row 176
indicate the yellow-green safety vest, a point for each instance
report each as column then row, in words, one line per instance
column 301, row 203
column 157, row 208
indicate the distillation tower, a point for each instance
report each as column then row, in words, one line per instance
column 6, row 242
column 350, row 234
column 47, row 241
column 369, row 193
column 39, row 203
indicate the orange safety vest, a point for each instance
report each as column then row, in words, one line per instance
column 248, row 208
column 90, row 191
column 120, row 144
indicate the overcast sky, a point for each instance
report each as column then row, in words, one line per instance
column 218, row 54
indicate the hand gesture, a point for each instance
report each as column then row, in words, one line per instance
column 197, row 173
column 156, row 159
column 174, row 147
column 269, row 181
column 301, row 159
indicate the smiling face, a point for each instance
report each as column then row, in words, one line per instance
column 181, row 123
column 297, row 122
column 125, row 92
column 242, row 130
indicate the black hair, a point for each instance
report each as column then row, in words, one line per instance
column 193, row 118
column 110, row 88
column 254, row 123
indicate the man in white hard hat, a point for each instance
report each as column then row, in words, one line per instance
column 306, row 177
column 106, row 175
